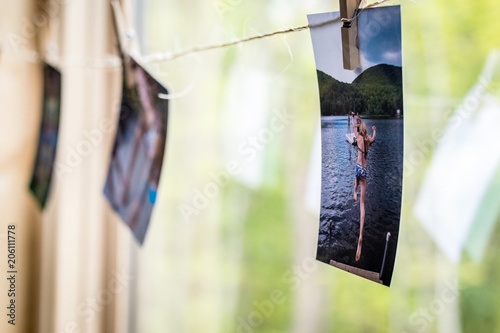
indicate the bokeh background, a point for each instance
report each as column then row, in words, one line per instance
column 240, row 258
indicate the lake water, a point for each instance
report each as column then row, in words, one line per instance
column 339, row 218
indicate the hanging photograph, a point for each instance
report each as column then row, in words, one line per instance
column 136, row 161
column 49, row 131
column 361, row 95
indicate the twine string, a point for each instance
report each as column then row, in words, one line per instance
column 112, row 61
column 168, row 56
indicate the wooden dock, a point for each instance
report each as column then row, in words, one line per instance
column 351, row 138
column 372, row 276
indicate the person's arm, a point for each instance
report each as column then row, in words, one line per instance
column 372, row 140
column 353, row 126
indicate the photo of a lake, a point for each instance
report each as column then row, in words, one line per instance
column 41, row 179
column 339, row 216
column 362, row 135
column 137, row 157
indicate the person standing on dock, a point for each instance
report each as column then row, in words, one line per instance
column 356, row 122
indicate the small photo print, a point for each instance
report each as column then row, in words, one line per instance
column 136, row 162
column 362, row 143
column 49, row 131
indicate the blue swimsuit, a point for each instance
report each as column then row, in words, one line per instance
column 360, row 171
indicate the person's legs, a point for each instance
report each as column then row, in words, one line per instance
column 362, row 183
column 355, row 188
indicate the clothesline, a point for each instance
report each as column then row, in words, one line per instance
column 112, row 61
column 166, row 56
column 158, row 57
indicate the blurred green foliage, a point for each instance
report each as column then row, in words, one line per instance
column 205, row 275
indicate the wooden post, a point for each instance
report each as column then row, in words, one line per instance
column 350, row 50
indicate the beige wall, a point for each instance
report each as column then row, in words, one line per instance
column 67, row 255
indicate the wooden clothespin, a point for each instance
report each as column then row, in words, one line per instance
column 349, row 31
column 125, row 38
column 49, row 51
column 47, row 39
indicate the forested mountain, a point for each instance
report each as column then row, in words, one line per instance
column 378, row 91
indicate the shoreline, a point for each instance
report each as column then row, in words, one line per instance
column 370, row 117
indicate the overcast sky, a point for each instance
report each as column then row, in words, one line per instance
column 379, row 41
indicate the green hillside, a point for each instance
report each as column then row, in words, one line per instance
column 381, row 74
column 378, row 91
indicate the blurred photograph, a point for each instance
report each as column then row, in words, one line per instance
column 362, row 143
column 49, row 131
column 137, row 157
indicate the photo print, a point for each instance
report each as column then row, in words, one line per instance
column 137, row 157
column 49, row 131
column 362, row 143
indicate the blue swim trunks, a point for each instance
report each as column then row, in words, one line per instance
column 360, row 171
